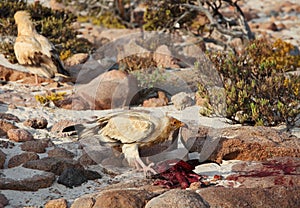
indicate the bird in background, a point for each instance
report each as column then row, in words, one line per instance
column 35, row 51
column 132, row 130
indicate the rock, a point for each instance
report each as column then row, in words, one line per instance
column 241, row 143
column 38, row 146
column 5, row 126
column 272, row 26
column 6, row 144
column 86, row 160
column 162, row 100
column 36, row 123
column 72, row 177
column 60, row 152
column 112, row 89
column 23, row 179
column 164, row 58
column 8, row 74
column 57, row 203
column 283, row 171
column 19, row 135
column 182, row 100
column 72, row 102
column 59, row 127
column 277, row 196
column 83, row 202
column 92, row 175
column 76, row 59
column 9, row 116
column 3, row 201
column 22, row 158
column 179, row 199
column 52, row 164
column 2, row 159
column 123, row 198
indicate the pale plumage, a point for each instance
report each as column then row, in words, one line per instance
column 132, row 130
column 34, row 50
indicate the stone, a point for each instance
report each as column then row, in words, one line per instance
column 179, row 199
column 277, row 196
column 2, row 159
column 5, row 126
column 182, row 100
column 92, row 175
column 52, row 164
column 241, row 143
column 83, row 202
column 36, row 123
column 72, row 102
column 57, row 203
column 130, row 198
column 164, row 58
column 9, row 74
column 23, row 179
column 17, row 160
column 9, row 116
column 78, row 58
column 162, row 100
column 112, row 89
column 283, row 171
column 19, row 135
column 59, row 127
column 38, row 146
column 86, row 160
column 60, row 152
column 3, row 201
column 71, row 177
column 6, row 144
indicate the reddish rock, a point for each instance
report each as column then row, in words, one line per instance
column 23, row 179
column 3, row 201
column 9, row 116
column 112, row 89
column 36, row 123
column 241, row 143
column 179, row 199
column 73, row 102
column 5, row 126
column 57, row 203
column 38, row 146
column 272, row 26
column 273, row 172
column 123, row 198
column 19, row 135
column 277, row 196
column 84, row 202
column 162, row 100
column 76, row 59
column 22, row 158
column 60, row 152
column 164, row 58
column 86, row 160
column 8, row 74
column 2, row 159
column 52, row 164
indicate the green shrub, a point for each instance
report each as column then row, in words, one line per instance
column 55, row 25
column 258, row 88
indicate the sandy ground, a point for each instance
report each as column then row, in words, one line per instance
column 38, row 198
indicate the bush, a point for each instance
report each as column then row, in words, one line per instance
column 259, row 89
